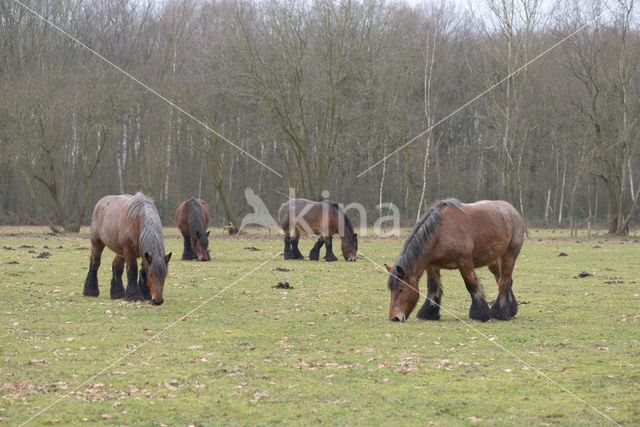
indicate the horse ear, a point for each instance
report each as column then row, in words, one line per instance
column 167, row 257
column 147, row 258
column 388, row 268
column 400, row 273
column 208, row 233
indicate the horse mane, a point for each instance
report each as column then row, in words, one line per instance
column 347, row 221
column 422, row 233
column 151, row 239
column 194, row 217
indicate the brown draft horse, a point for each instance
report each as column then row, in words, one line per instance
column 454, row 235
column 192, row 219
column 130, row 227
column 319, row 218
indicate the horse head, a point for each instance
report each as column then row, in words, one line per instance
column 200, row 244
column 404, row 293
column 156, row 275
column 349, row 246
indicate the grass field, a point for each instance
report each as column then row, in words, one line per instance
column 322, row 352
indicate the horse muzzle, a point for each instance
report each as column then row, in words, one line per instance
column 397, row 317
column 157, row 301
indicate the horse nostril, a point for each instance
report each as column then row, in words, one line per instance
column 398, row 318
column 157, row 301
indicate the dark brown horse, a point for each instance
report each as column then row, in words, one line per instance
column 323, row 219
column 192, row 219
column 130, row 227
column 454, row 235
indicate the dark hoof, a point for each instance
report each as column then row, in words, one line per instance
column 330, row 258
column 479, row 310
column 505, row 310
column 430, row 310
column 145, row 294
column 91, row 292
column 314, row 256
column 135, row 297
column 117, row 295
column 429, row 313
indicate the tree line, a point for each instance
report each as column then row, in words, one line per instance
column 176, row 98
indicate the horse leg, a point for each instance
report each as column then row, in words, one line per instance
column 506, row 306
column 314, row 255
column 288, row 252
column 142, row 282
column 133, row 292
column 329, row 257
column 187, row 253
column 495, row 270
column 431, row 308
column 91, row 282
column 294, row 247
column 117, row 268
column 479, row 309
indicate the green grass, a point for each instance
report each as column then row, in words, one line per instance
column 323, row 352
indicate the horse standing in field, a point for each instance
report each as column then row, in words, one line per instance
column 320, row 218
column 454, row 235
column 130, row 227
column 192, row 219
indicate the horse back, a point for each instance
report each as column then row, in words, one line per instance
column 485, row 231
column 182, row 214
column 109, row 224
column 312, row 213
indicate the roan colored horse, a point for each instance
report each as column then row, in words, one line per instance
column 319, row 218
column 454, row 235
column 130, row 227
column 192, row 219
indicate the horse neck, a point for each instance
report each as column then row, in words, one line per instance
column 194, row 217
column 347, row 229
column 151, row 239
column 347, row 232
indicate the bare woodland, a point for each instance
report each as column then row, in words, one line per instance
column 320, row 90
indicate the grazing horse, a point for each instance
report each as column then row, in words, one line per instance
column 454, row 235
column 130, row 227
column 319, row 218
column 192, row 218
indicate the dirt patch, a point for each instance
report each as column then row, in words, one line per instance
column 251, row 248
column 43, row 255
column 563, row 254
column 281, row 269
column 583, row 274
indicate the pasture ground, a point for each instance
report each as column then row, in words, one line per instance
column 322, row 352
